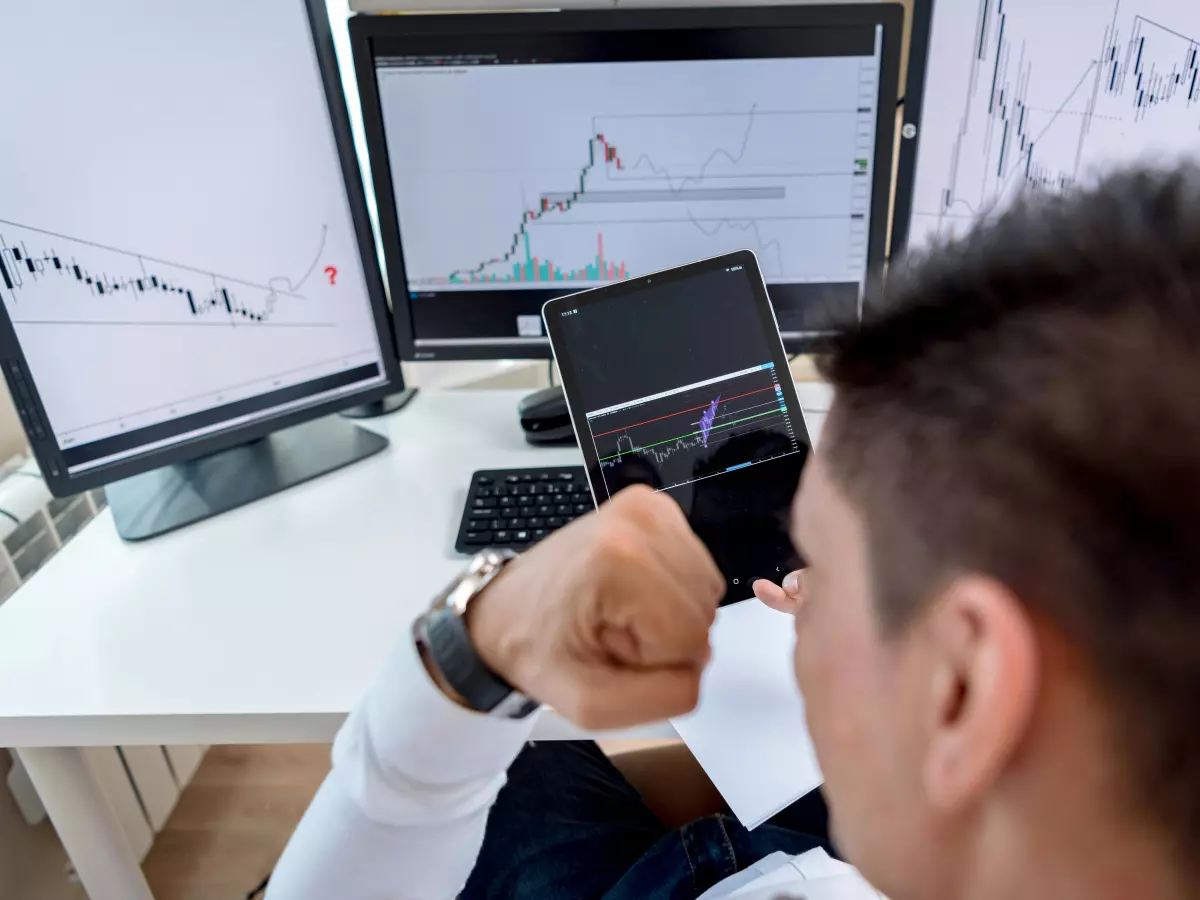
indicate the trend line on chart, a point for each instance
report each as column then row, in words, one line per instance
column 198, row 292
column 698, row 178
column 1145, row 64
column 747, row 225
column 600, row 152
column 293, row 286
column 642, row 449
column 680, row 413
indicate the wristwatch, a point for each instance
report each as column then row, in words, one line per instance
column 442, row 635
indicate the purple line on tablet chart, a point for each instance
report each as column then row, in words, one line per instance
column 695, row 431
column 707, row 418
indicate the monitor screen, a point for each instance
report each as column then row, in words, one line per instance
column 1045, row 94
column 513, row 165
column 179, row 258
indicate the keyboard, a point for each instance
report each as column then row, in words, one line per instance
column 516, row 508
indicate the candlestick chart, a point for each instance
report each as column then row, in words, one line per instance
column 1024, row 95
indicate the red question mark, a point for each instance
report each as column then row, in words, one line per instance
column 331, row 272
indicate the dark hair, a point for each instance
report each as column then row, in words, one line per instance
column 1025, row 403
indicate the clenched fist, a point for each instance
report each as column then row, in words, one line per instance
column 607, row 619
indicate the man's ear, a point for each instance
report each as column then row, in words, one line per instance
column 982, row 690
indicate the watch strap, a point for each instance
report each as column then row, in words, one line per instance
column 451, row 650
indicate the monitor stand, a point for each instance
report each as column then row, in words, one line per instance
column 164, row 499
column 389, row 404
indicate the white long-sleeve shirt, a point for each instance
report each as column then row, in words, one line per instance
column 401, row 815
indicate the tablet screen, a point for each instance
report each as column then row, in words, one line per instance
column 680, row 381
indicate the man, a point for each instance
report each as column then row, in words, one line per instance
column 997, row 634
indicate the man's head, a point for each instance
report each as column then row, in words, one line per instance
column 1001, row 639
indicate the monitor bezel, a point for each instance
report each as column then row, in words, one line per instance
column 20, row 379
column 365, row 29
column 914, row 101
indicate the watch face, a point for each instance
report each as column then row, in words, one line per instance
column 482, row 568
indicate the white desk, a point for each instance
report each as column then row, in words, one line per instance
column 264, row 624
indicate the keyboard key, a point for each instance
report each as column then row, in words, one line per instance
column 570, row 519
column 517, row 507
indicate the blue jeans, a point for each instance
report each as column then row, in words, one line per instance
column 568, row 826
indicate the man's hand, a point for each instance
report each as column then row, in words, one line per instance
column 606, row 620
column 786, row 597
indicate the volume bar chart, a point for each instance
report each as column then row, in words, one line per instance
column 695, row 431
column 534, row 269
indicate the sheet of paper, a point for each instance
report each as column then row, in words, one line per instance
column 734, row 885
column 779, row 879
column 748, row 731
column 815, row 398
column 843, row 887
column 819, row 864
column 810, row 876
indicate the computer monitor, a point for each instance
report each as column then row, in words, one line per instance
column 186, row 260
column 1040, row 95
column 518, row 157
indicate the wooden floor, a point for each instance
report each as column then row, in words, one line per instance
column 233, row 820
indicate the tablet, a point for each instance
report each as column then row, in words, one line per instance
column 679, row 380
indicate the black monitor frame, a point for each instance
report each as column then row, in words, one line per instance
column 32, row 411
column 366, row 30
column 910, row 129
